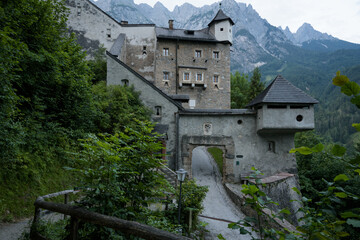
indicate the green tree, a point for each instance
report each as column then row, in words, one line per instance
column 256, row 86
column 239, row 90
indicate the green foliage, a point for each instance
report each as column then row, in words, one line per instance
column 239, row 89
column 117, row 106
column 243, row 91
column 192, row 196
column 217, row 154
column 119, row 175
column 260, row 223
column 256, row 86
column 98, row 66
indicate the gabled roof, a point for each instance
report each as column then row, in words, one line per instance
column 221, row 16
column 182, row 34
column 282, row 91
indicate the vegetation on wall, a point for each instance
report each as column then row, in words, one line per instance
column 217, row 155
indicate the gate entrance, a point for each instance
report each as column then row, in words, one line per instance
column 226, row 144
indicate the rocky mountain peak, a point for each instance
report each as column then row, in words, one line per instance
column 306, row 32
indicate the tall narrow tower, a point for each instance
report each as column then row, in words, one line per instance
column 221, row 27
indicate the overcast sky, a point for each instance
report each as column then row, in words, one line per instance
column 339, row 18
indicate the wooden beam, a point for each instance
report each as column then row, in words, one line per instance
column 128, row 227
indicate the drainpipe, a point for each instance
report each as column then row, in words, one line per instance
column 176, row 141
column 176, row 65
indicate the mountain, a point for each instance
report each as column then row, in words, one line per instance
column 308, row 58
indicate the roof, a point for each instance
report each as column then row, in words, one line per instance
column 118, row 44
column 221, row 16
column 182, row 34
column 282, row 91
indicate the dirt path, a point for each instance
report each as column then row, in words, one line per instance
column 217, row 204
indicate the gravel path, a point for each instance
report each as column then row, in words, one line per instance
column 217, row 204
column 12, row 231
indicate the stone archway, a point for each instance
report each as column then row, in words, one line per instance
column 188, row 144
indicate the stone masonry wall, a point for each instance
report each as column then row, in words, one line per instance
column 206, row 93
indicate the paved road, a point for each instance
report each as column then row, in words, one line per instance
column 217, row 204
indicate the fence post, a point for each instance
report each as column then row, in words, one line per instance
column 66, row 200
column 74, row 226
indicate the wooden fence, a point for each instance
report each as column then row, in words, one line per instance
column 80, row 214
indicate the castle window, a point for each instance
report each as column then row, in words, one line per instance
column 216, row 54
column 186, row 76
column 108, row 33
column 144, row 50
column 166, row 76
column 271, row 146
column 165, row 51
column 198, row 53
column 158, row 111
column 216, row 79
column 199, row 77
column 125, row 82
column 221, row 29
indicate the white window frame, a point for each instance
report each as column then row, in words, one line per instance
column 216, row 53
column 197, row 75
column 198, row 53
column 218, row 78
column 188, row 77
column 166, row 52
column 166, row 76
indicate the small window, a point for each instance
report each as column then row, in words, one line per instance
column 78, row 9
column 271, row 146
column 198, row 53
column 108, row 33
column 216, row 79
column 165, row 51
column 158, row 111
column 186, row 76
column 199, row 77
column 221, row 29
column 166, row 76
column 125, row 82
column 216, row 54
column 144, row 50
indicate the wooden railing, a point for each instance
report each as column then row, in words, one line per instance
column 80, row 214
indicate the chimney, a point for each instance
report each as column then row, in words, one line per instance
column 124, row 22
column 171, row 24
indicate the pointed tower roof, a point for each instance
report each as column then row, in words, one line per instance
column 282, row 91
column 221, row 16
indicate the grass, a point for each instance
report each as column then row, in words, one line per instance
column 217, row 154
column 17, row 196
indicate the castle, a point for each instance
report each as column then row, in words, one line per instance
column 184, row 77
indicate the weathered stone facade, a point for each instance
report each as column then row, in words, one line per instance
column 205, row 78
column 140, row 55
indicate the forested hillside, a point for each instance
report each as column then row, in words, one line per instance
column 47, row 102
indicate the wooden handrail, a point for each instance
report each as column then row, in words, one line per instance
column 127, row 227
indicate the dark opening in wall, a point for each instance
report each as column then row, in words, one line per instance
column 125, row 82
column 299, row 118
column 221, row 29
column 108, row 33
column 271, row 146
column 158, row 111
column 239, row 121
column 277, row 106
column 299, row 107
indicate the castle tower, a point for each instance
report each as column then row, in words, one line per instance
column 221, row 27
column 282, row 107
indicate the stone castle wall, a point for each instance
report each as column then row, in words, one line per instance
column 207, row 92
